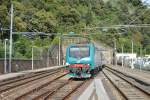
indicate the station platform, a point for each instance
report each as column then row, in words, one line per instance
column 18, row 74
column 135, row 73
column 93, row 90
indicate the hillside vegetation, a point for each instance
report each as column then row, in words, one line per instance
column 63, row 16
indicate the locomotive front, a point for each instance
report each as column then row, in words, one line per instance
column 79, row 59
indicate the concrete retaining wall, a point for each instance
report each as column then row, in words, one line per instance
column 22, row 65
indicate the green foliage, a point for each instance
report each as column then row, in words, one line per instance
column 55, row 41
column 43, row 21
column 63, row 16
column 1, row 49
column 22, row 47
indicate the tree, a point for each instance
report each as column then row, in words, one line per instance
column 43, row 21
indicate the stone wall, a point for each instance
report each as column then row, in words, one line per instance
column 22, row 65
column 42, row 62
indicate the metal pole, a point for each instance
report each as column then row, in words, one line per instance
column 122, row 57
column 10, row 46
column 5, row 62
column 132, row 66
column 57, row 59
column 32, row 58
column 59, row 51
column 115, row 57
column 141, row 57
column 115, row 54
column 48, row 57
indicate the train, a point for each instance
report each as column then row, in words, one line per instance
column 83, row 60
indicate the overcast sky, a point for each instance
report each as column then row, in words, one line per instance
column 147, row 1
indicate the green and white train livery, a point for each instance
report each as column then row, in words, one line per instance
column 83, row 60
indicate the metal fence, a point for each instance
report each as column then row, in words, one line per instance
column 36, row 57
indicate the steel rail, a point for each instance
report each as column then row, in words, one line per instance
column 125, row 86
column 67, row 92
column 22, row 82
column 31, row 86
column 136, row 84
column 38, row 88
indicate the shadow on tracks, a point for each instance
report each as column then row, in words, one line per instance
column 79, row 79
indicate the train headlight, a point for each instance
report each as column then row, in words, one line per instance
column 67, row 63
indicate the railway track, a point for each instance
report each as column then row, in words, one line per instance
column 64, row 91
column 39, row 86
column 139, row 74
column 127, row 86
column 23, row 77
column 12, row 89
column 6, row 85
column 59, row 89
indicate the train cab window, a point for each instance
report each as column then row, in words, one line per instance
column 79, row 52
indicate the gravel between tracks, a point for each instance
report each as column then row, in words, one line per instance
column 128, row 90
column 66, row 90
column 142, row 75
column 53, row 85
column 18, row 91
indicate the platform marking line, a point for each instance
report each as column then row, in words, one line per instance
column 101, row 92
column 97, row 86
column 87, row 93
